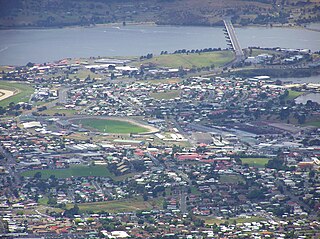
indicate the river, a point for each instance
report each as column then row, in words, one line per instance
column 17, row 47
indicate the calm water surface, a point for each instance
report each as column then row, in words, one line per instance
column 315, row 97
column 311, row 79
column 17, row 47
column 314, row 26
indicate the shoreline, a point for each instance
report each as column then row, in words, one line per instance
column 115, row 24
column 120, row 24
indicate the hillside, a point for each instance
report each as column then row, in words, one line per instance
column 60, row 13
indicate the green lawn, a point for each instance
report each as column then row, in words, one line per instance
column 113, row 126
column 43, row 200
column 75, row 171
column 256, row 52
column 59, row 110
column 314, row 123
column 256, row 162
column 293, row 94
column 172, row 94
column 218, row 58
column 195, row 191
column 23, row 92
column 121, row 205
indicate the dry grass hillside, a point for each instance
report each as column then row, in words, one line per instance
column 59, row 13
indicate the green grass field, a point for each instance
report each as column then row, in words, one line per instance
column 293, row 94
column 256, row 52
column 314, row 123
column 172, row 94
column 23, row 95
column 256, row 162
column 59, row 110
column 218, row 58
column 195, row 191
column 75, row 171
column 112, row 126
column 121, row 205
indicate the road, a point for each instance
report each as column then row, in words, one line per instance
column 234, row 40
column 155, row 161
column 183, row 201
column 2, row 227
column 294, row 198
column 182, row 131
column 63, row 95
column 62, row 98
column 44, row 215
column 10, row 162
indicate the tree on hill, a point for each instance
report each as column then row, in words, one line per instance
column 276, row 164
column 72, row 211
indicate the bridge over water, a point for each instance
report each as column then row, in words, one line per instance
column 232, row 39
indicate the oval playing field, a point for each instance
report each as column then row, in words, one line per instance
column 115, row 126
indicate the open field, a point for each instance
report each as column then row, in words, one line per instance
column 196, row 60
column 75, row 171
column 121, row 206
column 59, row 110
column 45, row 209
column 195, row 191
column 293, row 94
column 113, row 126
column 256, row 52
column 78, row 171
column 172, row 94
column 314, row 123
column 256, row 162
column 21, row 91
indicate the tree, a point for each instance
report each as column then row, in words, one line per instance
column 256, row 194
column 111, row 67
column 280, row 188
column 276, row 164
column 145, row 197
column 301, row 119
column 312, row 174
column 284, row 113
column 52, row 201
column 72, row 211
column 36, row 197
column 30, row 64
column 37, row 175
